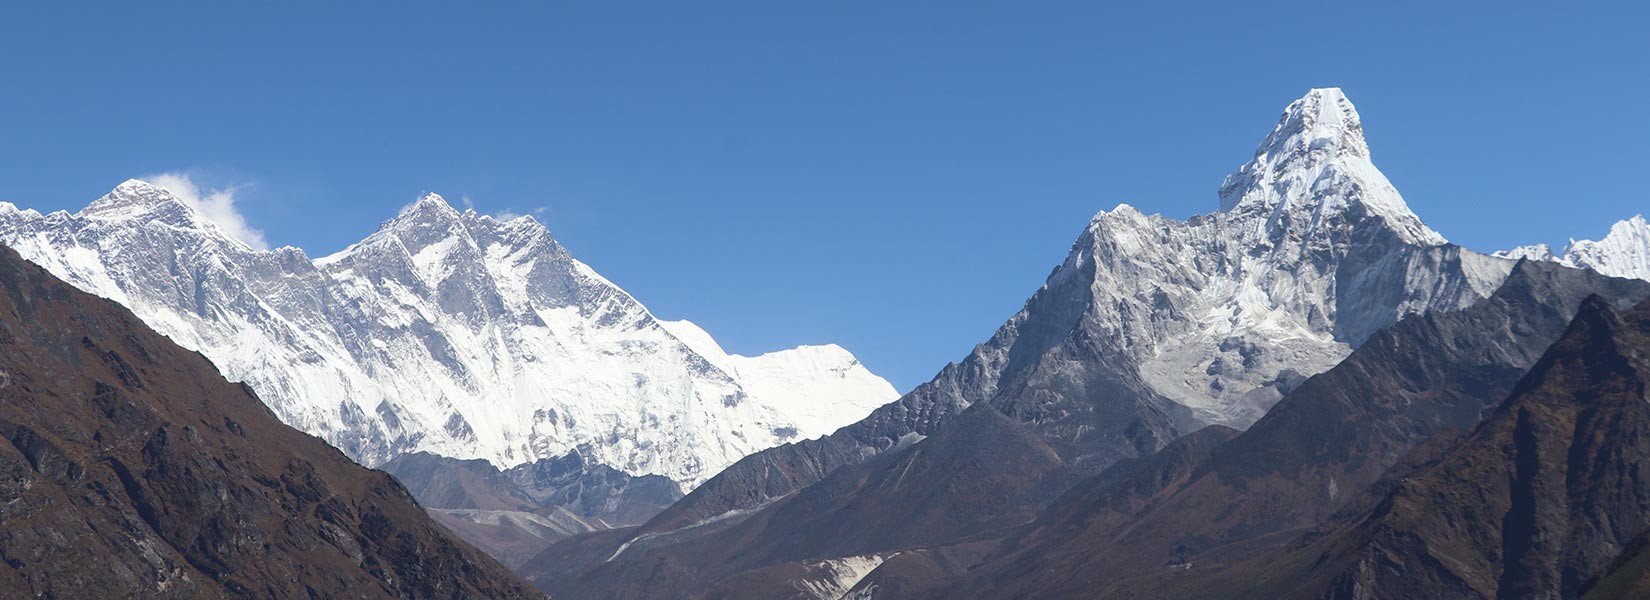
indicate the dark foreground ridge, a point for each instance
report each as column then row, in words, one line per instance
column 131, row 469
column 1548, row 498
column 1324, row 449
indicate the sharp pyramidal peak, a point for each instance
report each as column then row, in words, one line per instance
column 1177, row 324
column 1150, row 329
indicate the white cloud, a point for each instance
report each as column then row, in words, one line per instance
column 217, row 205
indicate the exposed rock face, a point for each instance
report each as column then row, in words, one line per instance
column 982, row 473
column 1126, row 487
column 511, row 536
column 1316, row 452
column 1548, row 498
column 131, row 469
column 593, row 491
column 517, row 513
column 441, row 482
column 447, row 331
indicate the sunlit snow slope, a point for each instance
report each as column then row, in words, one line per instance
column 1625, row 252
column 447, row 331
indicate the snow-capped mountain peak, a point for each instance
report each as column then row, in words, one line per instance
column 1529, row 252
column 804, row 383
column 1154, row 327
column 429, row 207
column 430, row 217
column 132, row 198
column 1300, row 264
column 1624, row 252
column 1312, row 169
column 136, row 201
column 447, row 331
column 1322, row 120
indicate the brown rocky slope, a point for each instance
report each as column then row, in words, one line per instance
column 1546, row 499
column 131, row 469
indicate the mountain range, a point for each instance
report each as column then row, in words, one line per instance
column 449, row 332
column 131, row 469
column 1177, row 324
column 1169, row 527
column 1306, row 393
column 1193, row 392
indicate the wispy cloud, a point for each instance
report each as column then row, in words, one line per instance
column 508, row 214
column 216, row 204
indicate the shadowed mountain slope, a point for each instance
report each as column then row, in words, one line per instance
column 1317, row 451
column 1548, row 498
column 983, row 474
column 516, row 513
column 131, row 468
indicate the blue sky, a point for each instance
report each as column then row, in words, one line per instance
column 893, row 177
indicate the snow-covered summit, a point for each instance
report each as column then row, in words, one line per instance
column 1624, row 252
column 803, row 383
column 1528, row 252
column 1312, row 250
column 447, row 331
column 133, row 197
column 1322, row 120
column 1313, row 168
column 1153, row 327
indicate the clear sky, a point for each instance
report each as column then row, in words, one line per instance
column 894, row 177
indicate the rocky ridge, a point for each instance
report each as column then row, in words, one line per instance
column 131, row 469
